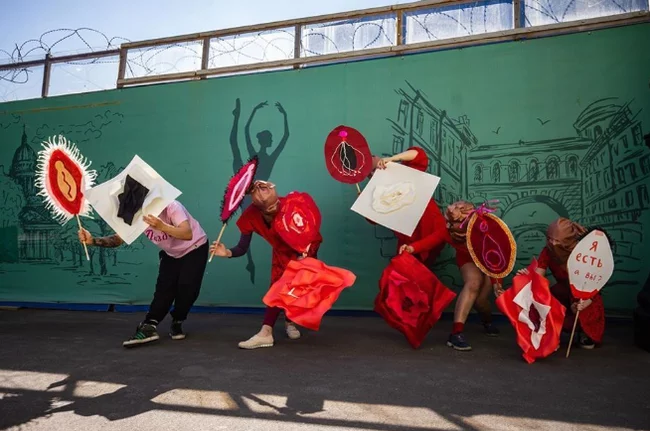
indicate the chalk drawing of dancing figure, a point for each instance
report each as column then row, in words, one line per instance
column 266, row 160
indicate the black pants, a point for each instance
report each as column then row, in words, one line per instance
column 179, row 283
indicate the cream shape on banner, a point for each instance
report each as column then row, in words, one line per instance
column 390, row 198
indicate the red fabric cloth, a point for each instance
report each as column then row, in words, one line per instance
column 307, row 289
column 592, row 319
column 534, row 312
column 421, row 161
column 298, row 221
column 411, row 299
column 252, row 221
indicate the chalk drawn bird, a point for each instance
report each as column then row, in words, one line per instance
column 496, row 132
column 532, row 214
column 543, row 122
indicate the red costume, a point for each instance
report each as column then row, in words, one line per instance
column 592, row 318
column 562, row 236
column 451, row 233
column 252, row 220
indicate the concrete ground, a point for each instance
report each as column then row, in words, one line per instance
column 67, row 371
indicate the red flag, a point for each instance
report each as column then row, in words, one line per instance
column 411, row 299
column 535, row 314
column 307, row 290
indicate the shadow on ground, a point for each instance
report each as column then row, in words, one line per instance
column 67, row 370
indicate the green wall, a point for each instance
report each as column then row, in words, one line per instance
column 549, row 127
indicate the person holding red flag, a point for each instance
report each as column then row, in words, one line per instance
column 259, row 218
column 561, row 238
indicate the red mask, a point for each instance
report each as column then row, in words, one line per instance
column 562, row 237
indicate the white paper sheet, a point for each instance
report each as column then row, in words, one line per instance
column 104, row 198
column 400, row 195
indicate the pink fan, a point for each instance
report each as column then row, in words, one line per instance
column 235, row 193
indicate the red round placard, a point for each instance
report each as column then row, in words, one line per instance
column 347, row 155
column 64, row 180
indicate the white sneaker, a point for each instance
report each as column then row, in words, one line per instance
column 257, row 341
column 292, row 332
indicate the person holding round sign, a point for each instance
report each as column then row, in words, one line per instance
column 562, row 239
column 265, row 217
column 475, row 246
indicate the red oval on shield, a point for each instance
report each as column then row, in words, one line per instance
column 491, row 245
column 64, row 180
column 347, row 155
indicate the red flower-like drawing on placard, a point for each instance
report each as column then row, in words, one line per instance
column 62, row 178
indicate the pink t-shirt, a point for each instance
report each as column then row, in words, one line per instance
column 174, row 215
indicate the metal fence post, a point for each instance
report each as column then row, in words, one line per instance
column 205, row 56
column 516, row 5
column 121, row 71
column 47, row 68
column 400, row 27
column 297, row 43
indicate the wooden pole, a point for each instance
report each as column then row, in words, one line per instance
column 223, row 228
column 358, row 189
column 85, row 246
column 575, row 323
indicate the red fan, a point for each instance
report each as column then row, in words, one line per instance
column 347, row 156
column 235, row 192
column 62, row 178
column 298, row 221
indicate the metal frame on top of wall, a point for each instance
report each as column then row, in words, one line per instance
column 400, row 46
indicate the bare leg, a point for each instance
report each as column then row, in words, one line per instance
column 482, row 304
column 473, row 281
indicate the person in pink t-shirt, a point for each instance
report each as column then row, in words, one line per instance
column 183, row 257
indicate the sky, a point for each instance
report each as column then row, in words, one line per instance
column 147, row 19
column 125, row 19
